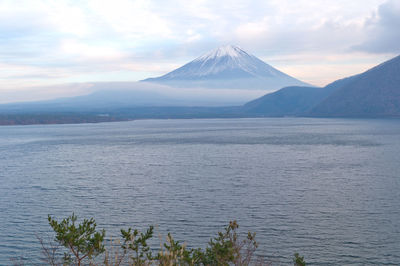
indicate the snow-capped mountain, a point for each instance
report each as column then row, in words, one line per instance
column 228, row 67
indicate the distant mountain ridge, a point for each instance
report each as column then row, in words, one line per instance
column 293, row 100
column 374, row 93
column 288, row 101
column 227, row 67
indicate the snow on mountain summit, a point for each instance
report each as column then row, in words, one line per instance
column 228, row 50
column 225, row 62
column 227, row 67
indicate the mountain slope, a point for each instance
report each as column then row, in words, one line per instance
column 228, row 67
column 374, row 93
column 293, row 100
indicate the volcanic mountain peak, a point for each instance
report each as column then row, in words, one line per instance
column 227, row 67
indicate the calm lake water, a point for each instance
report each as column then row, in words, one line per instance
column 327, row 188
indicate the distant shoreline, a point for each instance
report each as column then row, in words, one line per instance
column 71, row 119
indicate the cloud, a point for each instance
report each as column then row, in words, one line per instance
column 185, row 96
column 130, row 19
column 38, row 93
column 383, row 30
column 137, row 92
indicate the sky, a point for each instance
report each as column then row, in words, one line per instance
column 51, row 48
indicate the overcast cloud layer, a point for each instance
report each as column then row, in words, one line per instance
column 45, row 42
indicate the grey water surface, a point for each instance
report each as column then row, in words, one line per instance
column 326, row 188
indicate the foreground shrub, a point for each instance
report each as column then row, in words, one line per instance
column 84, row 245
column 298, row 260
column 82, row 241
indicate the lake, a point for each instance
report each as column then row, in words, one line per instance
column 326, row 188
